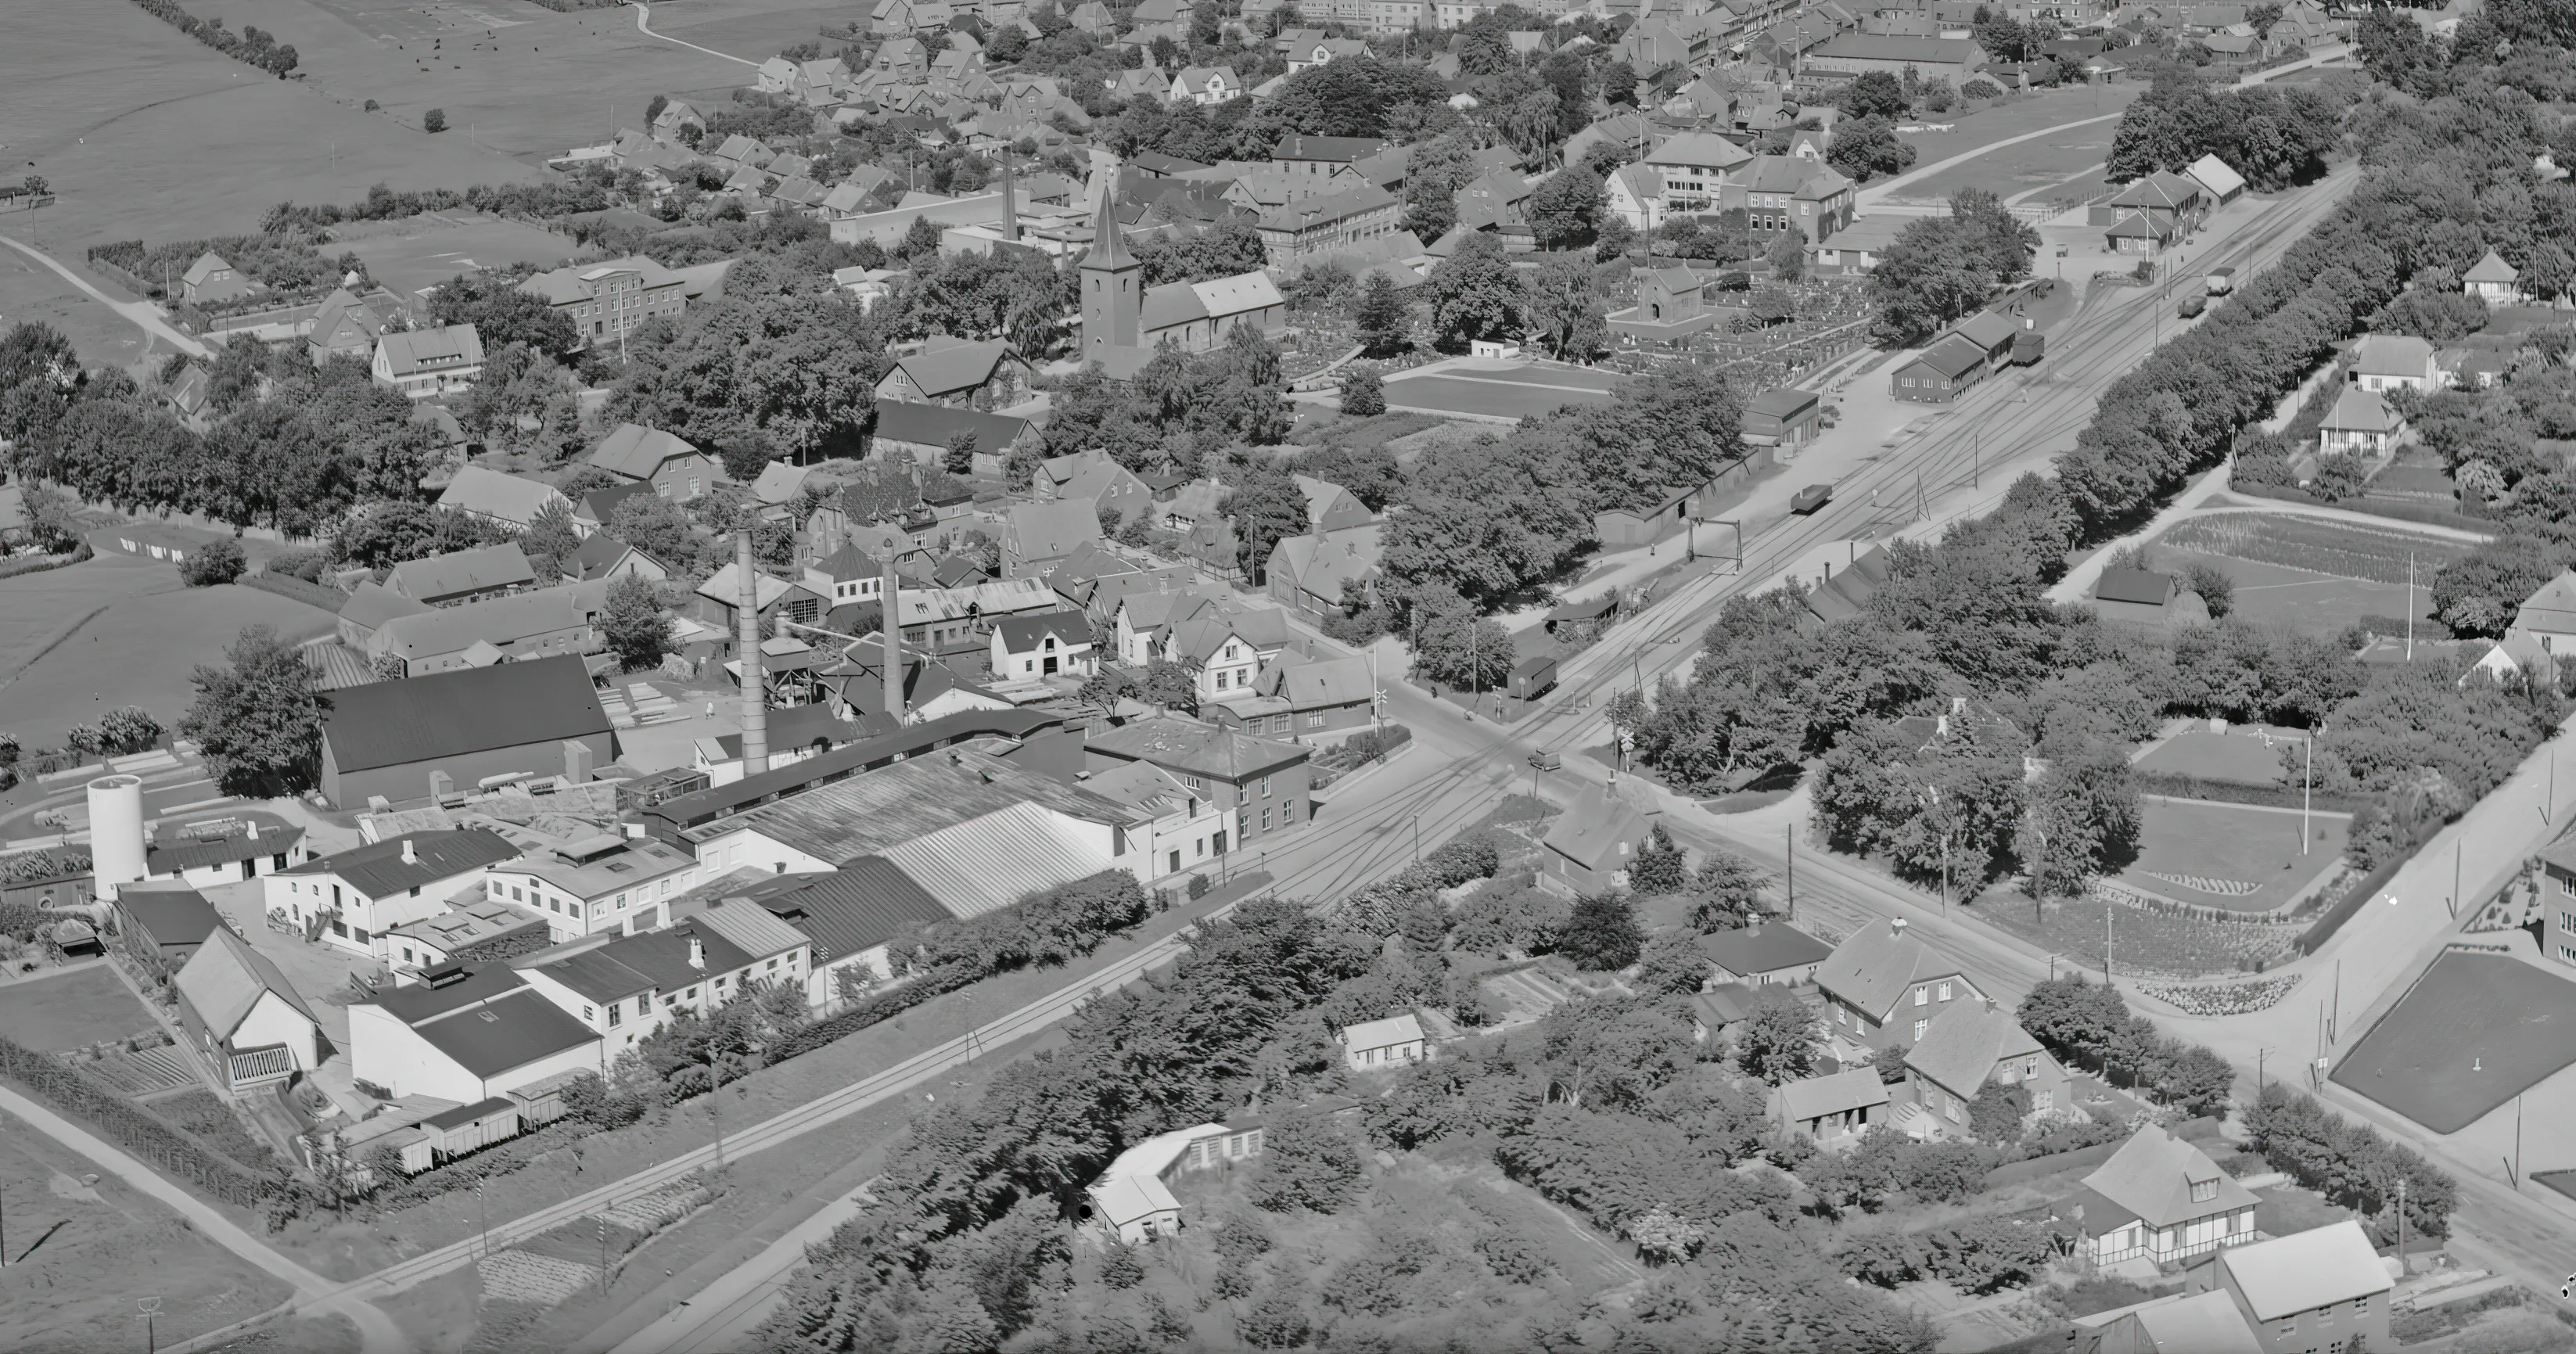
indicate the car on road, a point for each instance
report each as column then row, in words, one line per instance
column 1828, row 416
column 2192, row 306
column 1545, row 760
column 1812, row 497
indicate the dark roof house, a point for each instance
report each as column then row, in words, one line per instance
column 473, row 723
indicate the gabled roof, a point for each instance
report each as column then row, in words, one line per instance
column 2392, row 355
column 1953, row 356
column 1020, row 633
column 410, row 351
column 1961, row 1046
column 1921, row 51
column 1319, row 683
column 865, row 903
column 1874, row 967
column 462, row 571
column 225, row 978
column 2492, row 268
column 2158, row 190
column 2216, row 175
column 1840, row 1093
column 508, row 1031
column 1763, row 948
column 635, row 451
column 449, row 714
column 2182, row 1323
column 954, row 366
column 378, row 870
column 498, row 621
column 1987, row 329
column 1590, row 830
column 1343, row 149
column 1387, row 1033
column 373, row 604
column 870, row 814
column 174, row 914
column 2359, row 410
column 1051, row 530
column 491, row 493
column 2306, row 1270
column 2151, row 1176
column 934, row 424
column 2139, row 587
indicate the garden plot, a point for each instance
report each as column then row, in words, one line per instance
column 72, row 1009
column 2142, row 943
column 2249, row 754
column 2314, row 574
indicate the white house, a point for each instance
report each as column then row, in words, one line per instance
column 1183, row 828
column 244, row 1014
column 1206, row 85
column 1694, row 165
column 351, row 899
column 2162, row 1198
column 622, row 988
column 2493, row 281
column 1132, row 1200
column 467, row 1033
column 1046, row 644
column 422, row 363
column 1372, row 1045
column 2385, row 362
column 2360, row 422
column 596, row 884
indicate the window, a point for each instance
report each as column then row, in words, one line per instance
column 1923, row 996
column 1287, row 812
column 1945, row 991
column 1919, row 1027
column 616, row 1016
column 1265, row 820
column 585, row 1013
column 644, row 1004
column 2202, row 1191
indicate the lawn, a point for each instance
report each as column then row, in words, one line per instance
column 2041, row 162
column 2317, row 546
column 145, row 132
column 2244, row 755
column 2143, row 943
column 1499, row 393
column 30, row 291
column 426, row 250
column 144, row 633
column 2233, row 856
column 70, row 1009
column 81, row 1255
column 2475, row 1031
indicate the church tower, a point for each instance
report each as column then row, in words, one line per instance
column 1113, row 286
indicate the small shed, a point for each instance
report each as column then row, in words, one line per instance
column 1826, row 1108
column 1784, row 417
column 1716, row 1012
column 1532, row 678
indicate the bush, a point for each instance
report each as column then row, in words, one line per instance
column 218, row 561
column 304, row 562
column 1306, row 1163
column 2089, row 1026
column 1363, row 392
column 434, row 121
column 1199, row 886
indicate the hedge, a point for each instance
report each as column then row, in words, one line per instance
column 296, row 589
column 36, row 564
column 72, row 1091
column 2344, row 909
column 2175, row 785
column 2402, row 512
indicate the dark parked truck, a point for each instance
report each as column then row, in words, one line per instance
column 2028, row 347
column 1812, row 497
column 1532, row 678
column 2192, row 306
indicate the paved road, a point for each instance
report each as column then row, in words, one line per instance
column 313, row 1293
column 1376, row 822
column 142, row 313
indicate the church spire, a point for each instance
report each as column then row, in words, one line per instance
column 1108, row 246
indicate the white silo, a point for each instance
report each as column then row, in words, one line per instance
column 116, row 832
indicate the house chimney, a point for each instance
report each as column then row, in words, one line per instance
column 252, row 826
column 890, row 636
column 697, row 953
column 411, row 854
column 755, row 707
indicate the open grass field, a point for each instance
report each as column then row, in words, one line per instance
column 81, row 1254
column 71, row 1009
column 2232, row 856
column 2249, row 755
column 145, row 132
column 423, row 251
column 31, row 291
column 1499, row 389
column 136, row 633
column 514, row 78
column 2309, row 602
column 2040, row 163
column 2476, row 1031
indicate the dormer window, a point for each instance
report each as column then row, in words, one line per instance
column 1923, row 996
column 2202, row 1191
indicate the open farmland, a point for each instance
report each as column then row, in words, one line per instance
column 2318, row 545
column 71, row 1009
column 423, row 251
column 146, row 133
column 2040, row 163
column 515, row 78
column 31, row 291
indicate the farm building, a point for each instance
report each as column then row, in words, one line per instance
column 461, row 729
column 245, row 1015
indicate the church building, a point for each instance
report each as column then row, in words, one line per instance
column 1125, row 322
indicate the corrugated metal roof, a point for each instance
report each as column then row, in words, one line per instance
column 998, row 859
column 910, row 800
